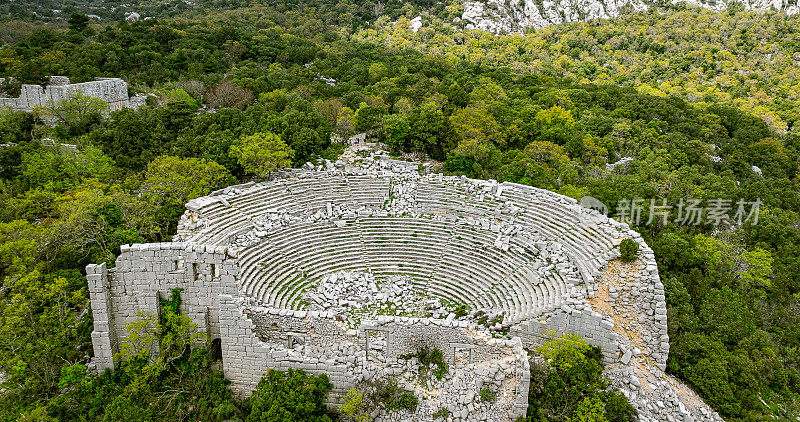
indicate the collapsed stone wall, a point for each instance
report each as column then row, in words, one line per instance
column 260, row 338
column 113, row 91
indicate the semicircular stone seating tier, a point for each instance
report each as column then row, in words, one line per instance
column 463, row 240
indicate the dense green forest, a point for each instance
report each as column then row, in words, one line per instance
column 550, row 108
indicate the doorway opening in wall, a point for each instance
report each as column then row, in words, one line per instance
column 215, row 350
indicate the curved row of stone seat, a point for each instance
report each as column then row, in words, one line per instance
column 252, row 203
column 223, row 219
column 491, row 270
column 311, row 194
column 291, row 195
column 552, row 221
column 442, row 198
column 545, row 214
column 221, row 222
column 369, row 191
column 581, row 239
column 403, row 246
column 294, row 195
column 550, row 216
column 309, row 261
column 309, row 251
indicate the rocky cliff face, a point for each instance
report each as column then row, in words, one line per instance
column 506, row 16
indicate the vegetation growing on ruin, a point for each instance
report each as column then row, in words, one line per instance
column 696, row 98
column 628, row 249
column 360, row 402
column 290, row 396
column 570, row 386
column 431, row 361
column 442, row 413
column 164, row 374
column 487, row 395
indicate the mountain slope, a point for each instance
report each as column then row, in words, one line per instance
column 507, row 16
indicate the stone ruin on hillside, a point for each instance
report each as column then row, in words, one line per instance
column 113, row 91
column 345, row 268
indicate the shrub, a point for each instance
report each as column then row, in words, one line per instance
column 392, row 396
column 354, row 407
column 487, row 395
column 290, row 396
column 571, row 384
column 262, row 153
column 430, row 357
column 628, row 249
column 442, row 413
column 407, row 401
column 228, row 95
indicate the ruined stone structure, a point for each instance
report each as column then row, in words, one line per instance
column 113, row 91
column 343, row 269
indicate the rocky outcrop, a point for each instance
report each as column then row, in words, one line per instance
column 507, row 16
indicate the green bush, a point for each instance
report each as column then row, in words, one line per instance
column 442, row 413
column 391, row 395
column 570, row 385
column 628, row 249
column 354, row 407
column 290, row 396
column 487, row 395
column 407, row 401
column 461, row 311
column 428, row 357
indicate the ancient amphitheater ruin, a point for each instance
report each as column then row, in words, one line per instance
column 113, row 91
column 345, row 268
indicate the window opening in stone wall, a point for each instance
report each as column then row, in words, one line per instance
column 213, row 270
column 377, row 343
column 196, row 271
column 177, row 264
column 295, row 339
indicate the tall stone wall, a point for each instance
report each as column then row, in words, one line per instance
column 120, row 294
column 254, row 339
column 104, row 338
column 113, row 91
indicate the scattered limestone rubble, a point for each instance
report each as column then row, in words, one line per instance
column 379, row 351
column 654, row 395
column 313, row 256
column 346, row 292
column 508, row 16
column 354, row 296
